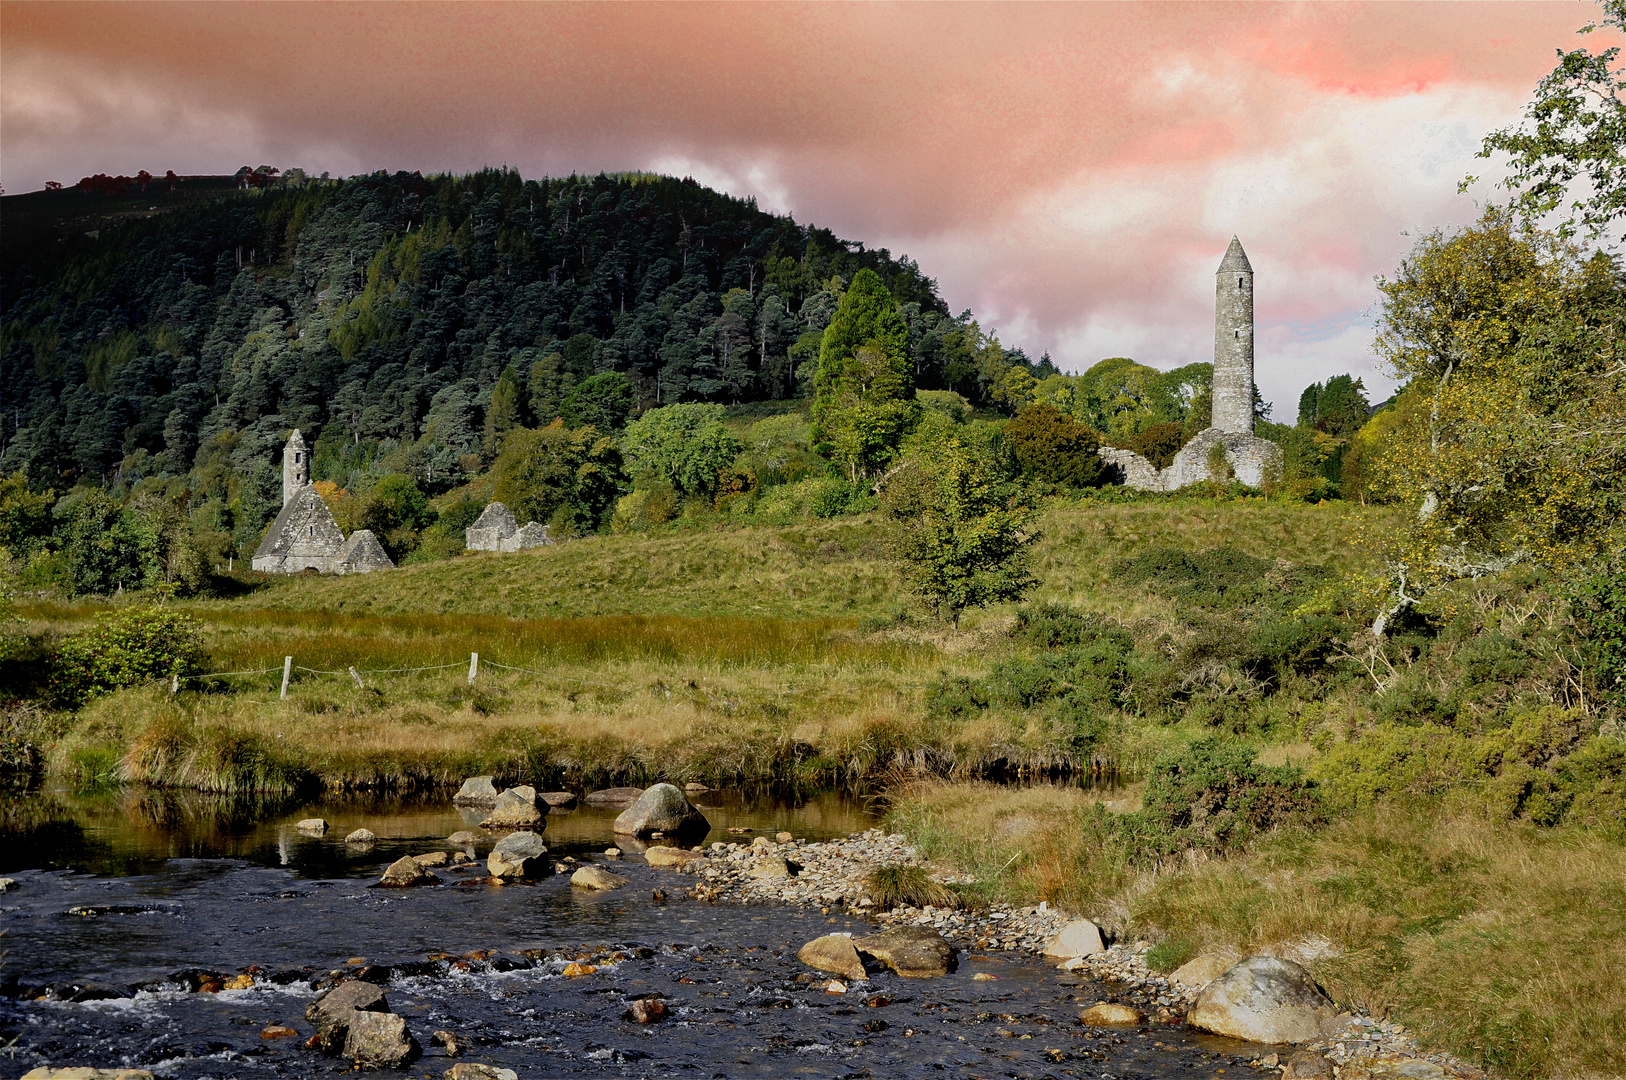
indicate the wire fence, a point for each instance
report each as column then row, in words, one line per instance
column 357, row 675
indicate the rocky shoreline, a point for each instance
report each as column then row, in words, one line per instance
column 834, row 874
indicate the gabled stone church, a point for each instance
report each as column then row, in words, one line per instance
column 304, row 535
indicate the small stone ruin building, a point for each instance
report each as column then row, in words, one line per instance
column 1251, row 459
column 304, row 535
column 498, row 530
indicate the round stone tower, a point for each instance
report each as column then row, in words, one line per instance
column 1233, row 343
column 296, row 466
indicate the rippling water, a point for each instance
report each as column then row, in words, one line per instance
column 127, row 891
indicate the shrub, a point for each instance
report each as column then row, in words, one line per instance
column 1214, row 796
column 541, row 472
column 1049, row 445
column 1599, row 603
column 686, row 446
column 1157, row 443
column 602, row 401
column 1217, row 577
column 127, row 648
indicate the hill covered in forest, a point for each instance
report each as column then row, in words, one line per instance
column 381, row 311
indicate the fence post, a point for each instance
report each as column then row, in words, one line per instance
column 474, row 666
column 287, row 672
column 356, row 675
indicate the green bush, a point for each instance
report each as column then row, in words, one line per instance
column 1051, row 446
column 1599, row 603
column 1217, row 577
column 126, row 648
column 1157, row 443
column 1212, row 795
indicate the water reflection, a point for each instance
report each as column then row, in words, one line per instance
column 124, row 890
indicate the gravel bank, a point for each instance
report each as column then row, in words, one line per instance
column 833, row 875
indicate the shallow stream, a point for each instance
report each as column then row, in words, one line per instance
column 123, row 901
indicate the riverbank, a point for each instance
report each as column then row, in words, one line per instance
column 1492, row 940
column 837, row 875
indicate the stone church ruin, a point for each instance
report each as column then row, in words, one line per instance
column 1251, row 459
column 498, row 530
column 304, row 535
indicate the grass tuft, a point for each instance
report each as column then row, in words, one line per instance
column 907, row 886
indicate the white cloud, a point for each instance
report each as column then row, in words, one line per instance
column 1322, row 193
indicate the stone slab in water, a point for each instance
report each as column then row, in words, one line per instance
column 915, row 952
column 379, row 1038
column 515, row 809
column 833, row 953
column 615, row 797
column 559, row 800
column 598, row 879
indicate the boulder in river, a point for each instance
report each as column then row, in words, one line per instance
column 405, row 872
column 430, row 858
column 472, row 1070
column 7, row 884
column 598, row 879
column 663, row 809
column 645, row 1011
column 523, row 844
column 517, row 867
column 618, row 798
column 333, row 1011
column 463, row 838
column 915, row 952
column 476, row 791
column 559, row 800
column 1109, row 1014
column 361, row 837
column 1080, row 937
column 1262, row 999
column 380, row 1038
column 312, row 826
column 833, row 953
column 670, row 856
column 515, row 809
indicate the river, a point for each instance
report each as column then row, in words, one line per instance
column 127, row 900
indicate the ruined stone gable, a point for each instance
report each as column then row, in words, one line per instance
column 304, row 536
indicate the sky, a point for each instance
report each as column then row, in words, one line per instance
column 1072, row 173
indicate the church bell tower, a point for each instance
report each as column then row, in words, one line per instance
column 296, row 466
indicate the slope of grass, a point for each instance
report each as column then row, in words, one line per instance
column 722, row 655
column 813, row 570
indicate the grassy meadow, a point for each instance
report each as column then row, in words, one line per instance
column 723, row 655
column 1440, row 887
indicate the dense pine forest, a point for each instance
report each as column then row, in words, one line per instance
column 382, row 311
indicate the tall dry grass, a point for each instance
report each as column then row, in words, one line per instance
column 1499, row 941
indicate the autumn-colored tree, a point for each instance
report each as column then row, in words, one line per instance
column 1510, row 436
column 1051, row 446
